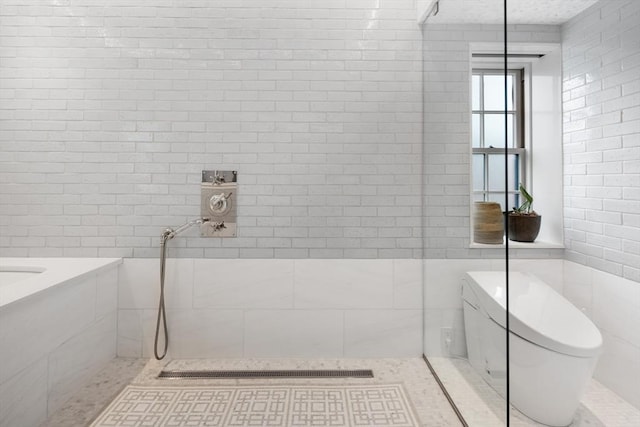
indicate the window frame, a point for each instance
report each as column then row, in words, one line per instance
column 518, row 75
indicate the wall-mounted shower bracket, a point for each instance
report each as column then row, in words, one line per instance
column 219, row 192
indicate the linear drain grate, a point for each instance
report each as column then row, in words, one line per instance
column 358, row 373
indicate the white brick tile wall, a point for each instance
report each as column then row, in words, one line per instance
column 601, row 70
column 110, row 111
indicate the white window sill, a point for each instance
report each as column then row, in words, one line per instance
column 538, row 244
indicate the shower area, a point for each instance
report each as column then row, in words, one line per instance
column 515, row 96
column 352, row 141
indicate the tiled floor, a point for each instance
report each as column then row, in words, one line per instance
column 429, row 403
column 479, row 404
column 89, row 401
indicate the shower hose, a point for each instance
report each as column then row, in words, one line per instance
column 167, row 235
column 162, row 316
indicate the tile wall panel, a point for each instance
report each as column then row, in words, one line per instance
column 111, row 110
column 601, row 67
column 276, row 308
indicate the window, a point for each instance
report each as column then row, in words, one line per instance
column 534, row 135
column 488, row 135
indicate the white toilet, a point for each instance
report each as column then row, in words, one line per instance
column 553, row 346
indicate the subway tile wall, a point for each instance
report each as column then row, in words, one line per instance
column 110, row 110
column 601, row 61
column 109, row 113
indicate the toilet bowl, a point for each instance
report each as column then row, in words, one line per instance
column 553, row 346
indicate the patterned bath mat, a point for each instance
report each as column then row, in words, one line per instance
column 277, row 406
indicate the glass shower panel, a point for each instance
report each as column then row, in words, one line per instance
column 462, row 111
column 480, row 119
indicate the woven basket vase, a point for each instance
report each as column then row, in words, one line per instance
column 488, row 223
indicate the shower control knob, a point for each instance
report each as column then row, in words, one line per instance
column 219, row 203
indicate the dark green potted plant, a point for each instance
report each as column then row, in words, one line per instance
column 523, row 221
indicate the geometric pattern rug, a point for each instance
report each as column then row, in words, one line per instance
column 383, row 405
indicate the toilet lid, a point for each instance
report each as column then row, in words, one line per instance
column 538, row 313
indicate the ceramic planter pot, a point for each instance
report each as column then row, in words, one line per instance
column 524, row 227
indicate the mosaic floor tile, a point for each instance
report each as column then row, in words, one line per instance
column 384, row 405
column 482, row 406
column 600, row 406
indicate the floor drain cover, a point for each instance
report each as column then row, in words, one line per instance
column 358, row 373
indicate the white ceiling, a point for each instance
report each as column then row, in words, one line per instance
column 518, row 11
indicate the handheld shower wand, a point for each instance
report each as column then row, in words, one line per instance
column 167, row 234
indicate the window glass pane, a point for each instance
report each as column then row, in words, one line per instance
column 494, row 92
column 475, row 130
column 494, row 130
column 499, row 197
column 514, row 201
column 479, row 197
column 514, row 172
column 475, row 97
column 478, row 172
column 496, row 172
